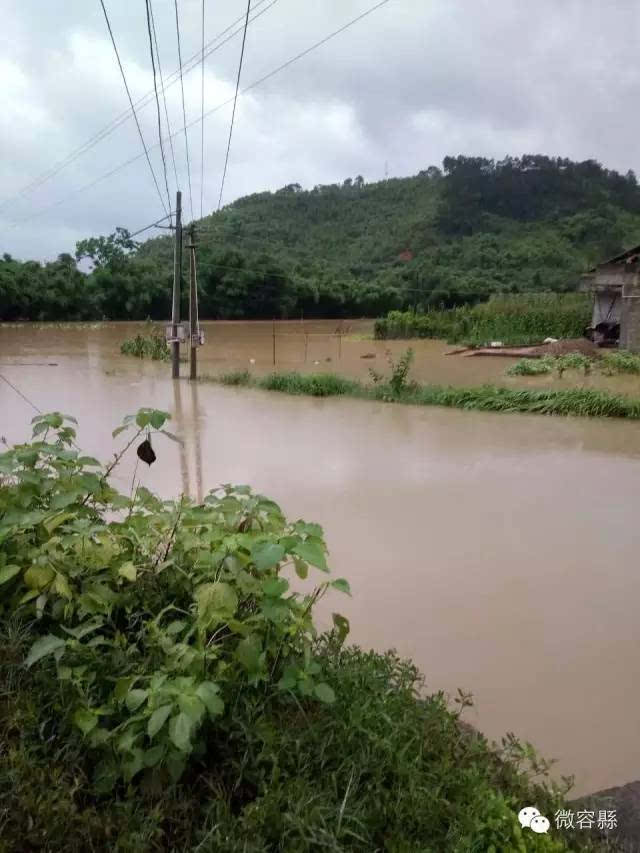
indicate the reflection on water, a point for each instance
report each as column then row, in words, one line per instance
column 499, row 551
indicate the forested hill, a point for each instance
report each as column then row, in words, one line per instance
column 442, row 237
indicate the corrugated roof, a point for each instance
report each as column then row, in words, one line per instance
column 628, row 256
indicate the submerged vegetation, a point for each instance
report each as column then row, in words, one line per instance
column 151, row 344
column 489, row 398
column 514, row 319
column 609, row 362
column 163, row 686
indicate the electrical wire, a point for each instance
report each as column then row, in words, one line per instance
column 184, row 115
column 20, row 394
column 153, row 225
column 155, row 88
column 191, row 63
column 208, row 113
column 164, row 96
column 133, row 109
column 235, row 101
column 202, row 118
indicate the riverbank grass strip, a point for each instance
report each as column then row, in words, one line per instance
column 488, row 398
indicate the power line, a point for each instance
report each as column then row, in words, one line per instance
column 202, row 119
column 133, row 109
column 184, row 115
column 20, row 394
column 208, row 113
column 155, row 224
column 235, row 101
column 155, row 88
column 191, row 63
column 164, row 95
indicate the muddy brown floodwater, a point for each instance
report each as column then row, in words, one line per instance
column 500, row 551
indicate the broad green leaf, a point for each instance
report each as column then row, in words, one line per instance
column 29, row 596
column 105, row 777
column 302, row 569
column 312, row 553
column 153, row 756
column 85, row 629
column 157, row 419
column 8, row 572
column 266, row 555
column 342, row 585
column 192, row 706
column 324, row 693
column 217, row 602
column 61, row 586
column 180, row 731
column 289, row 678
column 275, row 587
column 85, row 720
column 134, row 765
column 37, row 577
column 44, row 646
column 135, row 698
column 248, row 652
column 176, row 765
column 128, row 570
column 158, row 719
column 89, row 462
column 56, row 520
column 208, row 693
column 341, row 625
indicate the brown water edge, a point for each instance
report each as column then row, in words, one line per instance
column 499, row 551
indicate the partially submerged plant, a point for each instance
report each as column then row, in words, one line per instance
column 152, row 345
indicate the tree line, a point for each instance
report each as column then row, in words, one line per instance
column 444, row 237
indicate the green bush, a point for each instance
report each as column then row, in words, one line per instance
column 147, row 625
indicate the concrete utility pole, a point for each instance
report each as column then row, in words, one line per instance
column 177, row 281
column 193, row 306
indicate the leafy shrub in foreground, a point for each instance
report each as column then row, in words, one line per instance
column 148, row 624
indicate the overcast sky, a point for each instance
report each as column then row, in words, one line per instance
column 410, row 83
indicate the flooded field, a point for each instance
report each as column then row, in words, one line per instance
column 346, row 347
column 499, row 551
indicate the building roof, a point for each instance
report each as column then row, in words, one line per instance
column 627, row 257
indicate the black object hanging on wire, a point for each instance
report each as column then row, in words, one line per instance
column 145, row 452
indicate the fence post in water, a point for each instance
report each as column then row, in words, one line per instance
column 177, row 276
column 306, row 345
column 274, row 340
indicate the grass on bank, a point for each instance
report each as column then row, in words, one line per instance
column 489, row 398
column 512, row 319
column 163, row 687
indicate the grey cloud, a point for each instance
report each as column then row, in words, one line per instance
column 414, row 81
